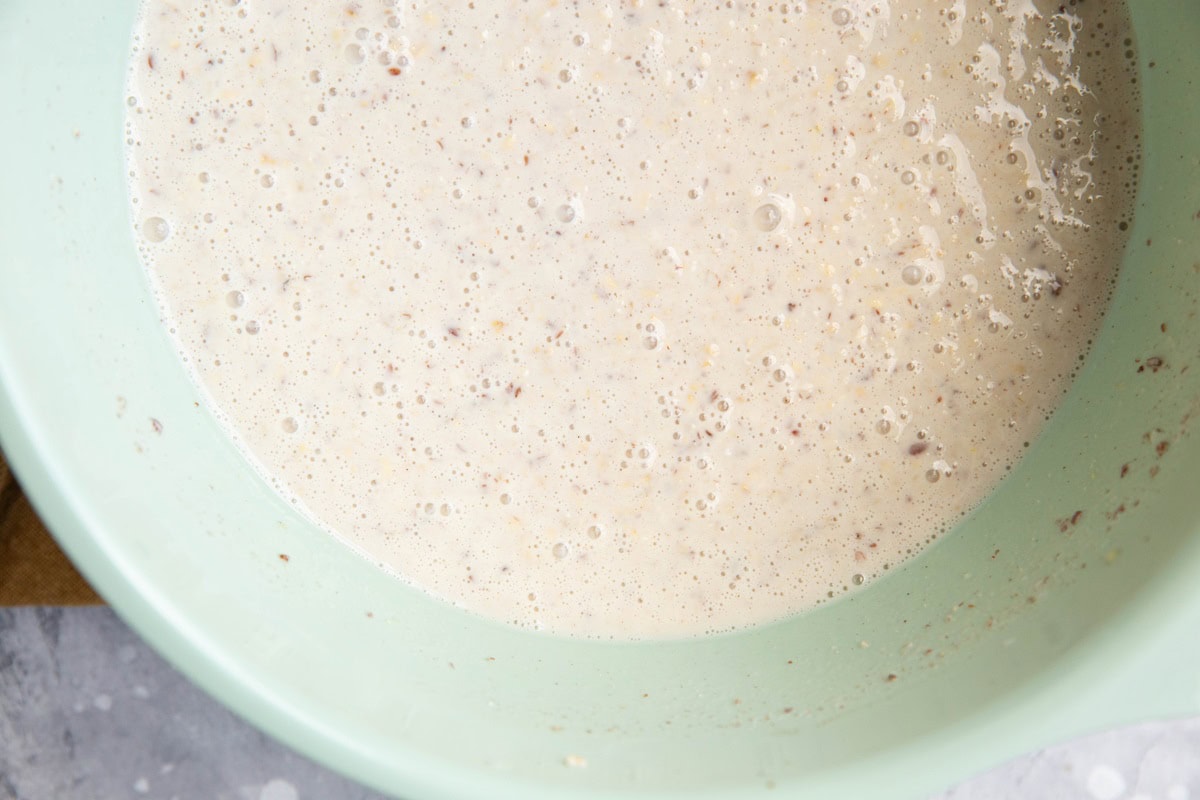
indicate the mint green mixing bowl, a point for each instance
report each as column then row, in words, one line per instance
column 1069, row 601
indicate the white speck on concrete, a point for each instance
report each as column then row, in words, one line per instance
column 141, row 786
column 141, row 692
column 1178, row 792
column 1105, row 783
column 278, row 789
column 166, row 769
column 102, row 702
column 575, row 762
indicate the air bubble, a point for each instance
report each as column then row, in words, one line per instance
column 858, row 579
column 911, row 128
column 289, row 425
column 252, row 327
column 595, row 532
column 767, row 217
column 565, row 75
column 565, row 213
column 884, row 426
column 912, row 274
column 908, row 177
column 841, row 16
column 267, row 181
column 560, row 550
column 932, row 475
column 156, row 229
column 235, row 299
column 355, row 54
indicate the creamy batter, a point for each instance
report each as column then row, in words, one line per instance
column 633, row 319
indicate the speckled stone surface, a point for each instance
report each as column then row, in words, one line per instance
column 87, row 712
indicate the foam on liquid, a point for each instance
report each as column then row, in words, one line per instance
column 633, row 319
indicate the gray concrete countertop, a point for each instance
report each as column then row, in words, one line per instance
column 89, row 712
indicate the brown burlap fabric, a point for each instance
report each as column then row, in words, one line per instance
column 33, row 571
